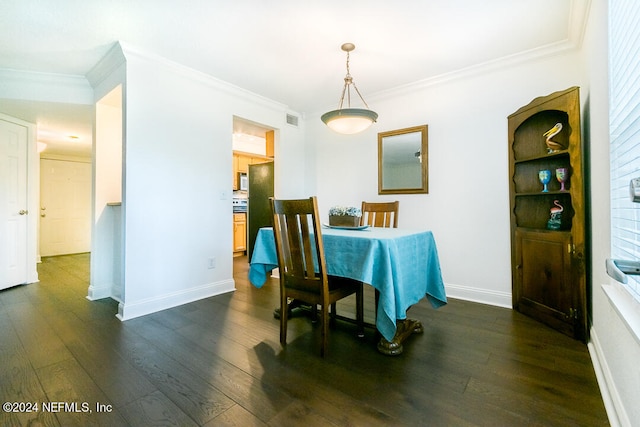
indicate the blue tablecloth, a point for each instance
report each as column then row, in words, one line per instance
column 402, row 264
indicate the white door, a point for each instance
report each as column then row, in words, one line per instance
column 65, row 207
column 13, row 204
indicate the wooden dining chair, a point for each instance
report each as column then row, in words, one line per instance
column 380, row 214
column 303, row 271
column 383, row 214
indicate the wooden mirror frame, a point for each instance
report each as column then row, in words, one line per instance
column 387, row 137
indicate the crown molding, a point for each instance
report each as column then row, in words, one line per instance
column 479, row 69
column 576, row 28
column 202, row 78
column 578, row 21
column 46, row 87
column 107, row 66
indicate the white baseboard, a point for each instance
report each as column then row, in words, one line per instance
column 129, row 310
column 612, row 403
column 99, row 292
column 483, row 296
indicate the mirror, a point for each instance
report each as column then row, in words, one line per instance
column 403, row 161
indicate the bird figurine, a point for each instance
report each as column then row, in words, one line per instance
column 557, row 208
column 555, row 220
column 553, row 146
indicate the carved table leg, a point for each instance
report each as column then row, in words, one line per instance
column 404, row 328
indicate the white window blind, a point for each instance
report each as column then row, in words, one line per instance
column 624, row 127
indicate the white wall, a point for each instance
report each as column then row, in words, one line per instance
column 177, row 208
column 614, row 349
column 467, row 207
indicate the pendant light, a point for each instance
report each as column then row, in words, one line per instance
column 349, row 120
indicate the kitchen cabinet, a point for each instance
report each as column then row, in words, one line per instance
column 239, row 233
column 548, row 244
column 241, row 162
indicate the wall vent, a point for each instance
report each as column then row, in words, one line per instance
column 292, row 120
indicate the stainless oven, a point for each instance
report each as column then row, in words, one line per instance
column 240, row 204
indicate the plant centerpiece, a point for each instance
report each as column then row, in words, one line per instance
column 345, row 216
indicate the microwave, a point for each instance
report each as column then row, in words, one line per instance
column 243, row 181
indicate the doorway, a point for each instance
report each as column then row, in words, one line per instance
column 14, row 208
column 253, row 144
column 107, row 254
column 65, row 207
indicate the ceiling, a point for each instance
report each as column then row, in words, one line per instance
column 285, row 50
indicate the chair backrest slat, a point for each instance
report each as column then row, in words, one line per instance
column 383, row 214
column 294, row 256
column 299, row 243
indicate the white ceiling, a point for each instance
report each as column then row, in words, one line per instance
column 285, row 50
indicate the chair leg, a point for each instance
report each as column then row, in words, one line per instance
column 325, row 329
column 284, row 314
column 360, row 310
column 333, row 313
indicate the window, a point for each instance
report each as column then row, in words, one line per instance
column 624, row 127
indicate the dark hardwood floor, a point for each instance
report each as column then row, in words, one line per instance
column 218, row 362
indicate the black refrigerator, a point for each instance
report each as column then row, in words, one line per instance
column 260, row 188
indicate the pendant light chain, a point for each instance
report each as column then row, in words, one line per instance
column 358, row 92
column 348, row 81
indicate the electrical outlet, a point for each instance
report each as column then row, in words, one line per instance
column 212, row 262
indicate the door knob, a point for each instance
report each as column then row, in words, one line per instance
column 23, row 212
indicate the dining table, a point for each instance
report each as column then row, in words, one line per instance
column 401, row 264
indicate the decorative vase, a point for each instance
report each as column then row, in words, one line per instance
column 344, row 220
